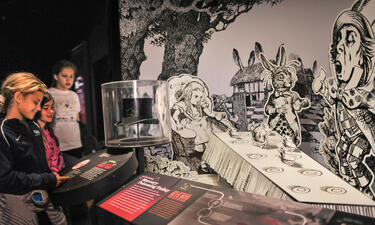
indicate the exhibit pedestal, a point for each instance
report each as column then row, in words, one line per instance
column 95, row 176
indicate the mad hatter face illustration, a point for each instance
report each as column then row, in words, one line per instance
column 348, row 55
column 349, row 95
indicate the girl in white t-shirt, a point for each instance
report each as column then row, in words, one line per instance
column 67, row 105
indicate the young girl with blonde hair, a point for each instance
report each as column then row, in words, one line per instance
column 24, row 168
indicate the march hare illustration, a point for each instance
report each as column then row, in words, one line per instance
column 283, row 103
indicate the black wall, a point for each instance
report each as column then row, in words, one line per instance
column 34, row 34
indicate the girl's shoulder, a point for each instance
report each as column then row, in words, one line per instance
column 52, row 90
column 18, row 126
column 55, row 91
column 11, row 129
column 11, row 124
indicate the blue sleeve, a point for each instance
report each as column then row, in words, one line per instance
column 18, row 182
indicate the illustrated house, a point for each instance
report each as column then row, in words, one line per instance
column 249, row 91
column 248, row 82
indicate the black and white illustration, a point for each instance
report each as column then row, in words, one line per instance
column 193, row 119
column 350, row 117
column 182, row 28
column 220, row 42
column 283, row 103
column 248, row 89
column 296, row 173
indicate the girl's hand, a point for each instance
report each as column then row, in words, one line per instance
column 204, row 103
column 60, row 179
column 297, row 105
column 179, row 126
column 219, row 116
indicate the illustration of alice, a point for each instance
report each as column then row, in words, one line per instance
column 350, row 95
column 284, row 103
column 193, row 119
column 188, row 112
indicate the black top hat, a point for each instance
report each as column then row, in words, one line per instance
column 136, row 110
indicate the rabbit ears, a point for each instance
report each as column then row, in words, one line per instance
column 253, row 55
column 280, row 59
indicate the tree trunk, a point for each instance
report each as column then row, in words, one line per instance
column 135, row 18
column 132, row 55
column 183, row 46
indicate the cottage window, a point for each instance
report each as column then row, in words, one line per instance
column 248, row 100
column 256, row 85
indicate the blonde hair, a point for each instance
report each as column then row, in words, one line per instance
column 23, row 82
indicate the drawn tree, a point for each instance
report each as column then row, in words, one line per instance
column 135, row 19
column 182, row 26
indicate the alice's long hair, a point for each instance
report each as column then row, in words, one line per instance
column 187, row 95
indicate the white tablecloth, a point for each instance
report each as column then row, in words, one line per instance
column 251, row 168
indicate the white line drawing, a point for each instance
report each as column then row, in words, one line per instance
column 283, row 103
column 193, row 119
column 349, row 122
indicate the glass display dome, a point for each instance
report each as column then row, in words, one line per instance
column 136, row 113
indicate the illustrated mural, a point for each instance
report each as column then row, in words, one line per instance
column 248, row 88
column 193, row 119
column 250, row 93
column 349, row 122
column 328, row 114
column 283, row 103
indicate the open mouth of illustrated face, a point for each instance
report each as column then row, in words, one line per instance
column 338, row 67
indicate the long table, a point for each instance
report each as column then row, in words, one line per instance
column 258, row 169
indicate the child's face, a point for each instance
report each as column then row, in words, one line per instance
column 29, row 104
column 47, row 112
column 64, row 79
column 196, row 96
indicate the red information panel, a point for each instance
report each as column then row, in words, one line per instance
column 162, row 200
column 136, row 198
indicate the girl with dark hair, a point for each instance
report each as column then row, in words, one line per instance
column 56, row 160
column 51, row 144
